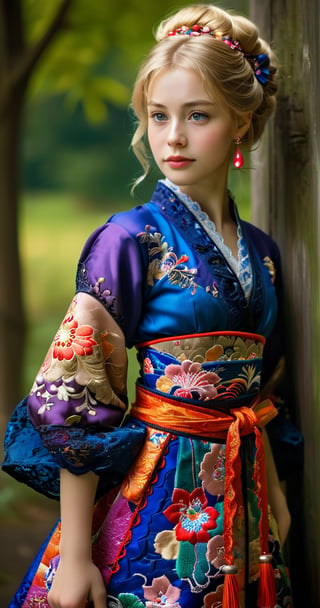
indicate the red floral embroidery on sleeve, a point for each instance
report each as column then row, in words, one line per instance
column 72, row 339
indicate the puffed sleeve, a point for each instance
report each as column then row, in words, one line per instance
column 115, row 279
column 73, row 416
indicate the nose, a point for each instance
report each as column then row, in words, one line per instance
column 176, row 135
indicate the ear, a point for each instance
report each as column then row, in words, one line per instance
column 242, row 125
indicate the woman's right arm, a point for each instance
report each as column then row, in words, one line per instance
column 77, row 579
column 99, row 364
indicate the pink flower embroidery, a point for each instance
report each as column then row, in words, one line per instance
column 191, row 516
column 214, row 600
column 212, row 470
column 161, row 593
column 72, row 339
column 188, row 381
column 215, row 552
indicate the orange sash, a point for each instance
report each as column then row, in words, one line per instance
column 176, row 416
column 180, row 417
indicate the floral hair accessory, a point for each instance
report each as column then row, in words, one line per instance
column 259, row 63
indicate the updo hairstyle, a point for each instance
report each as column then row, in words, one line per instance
column 226, row 73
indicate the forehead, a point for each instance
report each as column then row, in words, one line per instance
column 177, row 82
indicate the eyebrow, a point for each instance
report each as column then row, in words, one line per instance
column 196, row 102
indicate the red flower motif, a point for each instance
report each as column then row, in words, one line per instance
column 148, row 367
column 72, row 339
column 191, row 516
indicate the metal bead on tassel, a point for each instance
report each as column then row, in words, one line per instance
column 230, row 597
column 266, row 558
column 267, row 592
column 229, row 569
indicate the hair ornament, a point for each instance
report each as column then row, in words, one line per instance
column 259, row 63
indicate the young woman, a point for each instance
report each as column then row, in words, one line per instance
column 168, row 506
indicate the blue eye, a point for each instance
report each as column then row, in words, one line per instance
column 159, row 117
column 198, row 116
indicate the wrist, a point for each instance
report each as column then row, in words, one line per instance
column 76, row 552
column 76, row 545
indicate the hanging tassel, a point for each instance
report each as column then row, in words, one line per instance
column 230, row 587
column 267, row 593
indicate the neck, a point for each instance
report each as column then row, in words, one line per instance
column 216, row 205
column 214, row 202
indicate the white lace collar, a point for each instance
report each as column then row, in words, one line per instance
column 241, row 265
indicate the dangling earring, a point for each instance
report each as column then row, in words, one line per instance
column 238, row 158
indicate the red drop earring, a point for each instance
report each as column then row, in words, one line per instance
column 238, row 158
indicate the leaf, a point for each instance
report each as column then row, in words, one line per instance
column 112, row 90
column 128, row 600
column 95, row 108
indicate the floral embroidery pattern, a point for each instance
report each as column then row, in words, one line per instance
column 65, row 390
column 166, row 544
column 250, row 375
column 191, row 515
column 203, row 349
column 100, row 291
column 215, row 551
column 161, row 593
column 229, row 348
column 167, row 263
column 212, row 470
column 214, row 599
column 72, row 339
column 205, row 367
column 164, row 262
column 72, row 382
column 148, row 367
column 189, row 381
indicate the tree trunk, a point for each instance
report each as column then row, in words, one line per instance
column 12, row 323
column 290, row 167
column 17, row 61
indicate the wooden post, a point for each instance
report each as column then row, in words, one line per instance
column 286, row 203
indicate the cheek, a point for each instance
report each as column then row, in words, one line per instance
column 152, row 138
column 219, row 139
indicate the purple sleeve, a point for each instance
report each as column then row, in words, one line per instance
column 111, row 269
column 69, row 408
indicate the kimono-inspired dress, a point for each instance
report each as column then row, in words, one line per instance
column 182, row 491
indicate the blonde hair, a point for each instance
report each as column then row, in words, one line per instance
column 226, row 72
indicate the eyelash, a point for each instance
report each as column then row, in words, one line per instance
column 155, row 116
column 203, row 115
column 163, row 117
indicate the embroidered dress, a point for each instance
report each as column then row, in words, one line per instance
column 207, row 335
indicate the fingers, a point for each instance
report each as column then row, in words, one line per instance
column 99, row 598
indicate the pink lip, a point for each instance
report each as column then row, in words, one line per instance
column 178, row 161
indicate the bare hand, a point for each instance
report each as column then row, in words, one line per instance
column 76, row 582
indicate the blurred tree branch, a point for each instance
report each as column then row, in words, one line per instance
column 28, row 61
column 18, row 59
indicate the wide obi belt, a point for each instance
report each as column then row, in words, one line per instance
column 208, row 386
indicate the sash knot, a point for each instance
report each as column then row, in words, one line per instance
column 247, row 418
